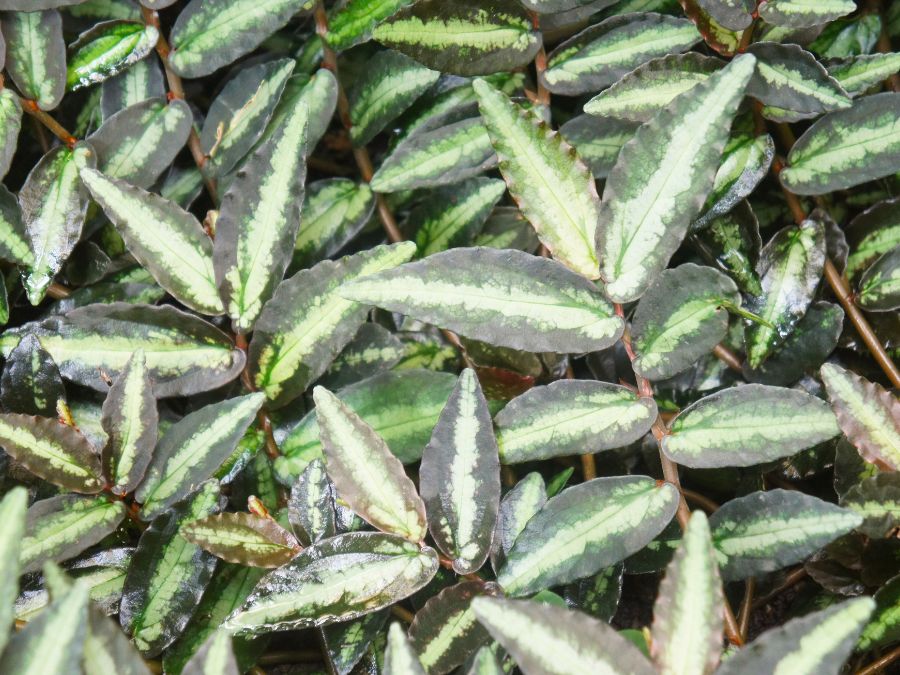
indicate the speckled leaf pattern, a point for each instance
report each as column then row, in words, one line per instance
column 585, row 528
column 847, row 147
column 765, row 531
column 546, row 639
column 747, row 425
column 166, row 239
column 598, row 56
column 106, row 50
column 366, row 475
column 36, row 55
column 503, row 297
column 801, row 13
column 185, row 355
column 258, row 221
column 61, row 527
column 399, row 656
column 818, row 643
column 598, row 140
column 54, row 204
column 879, row 287
column 12, row 528
column 192, row 449
column 337, row 579
column 790, row 267
column 687, row 615
column 452, row 216
column 571, row 417
column 867, row 413
column 10, row 124
column 354, row 21
column 307, row 322
column 209, row 34
column 167, row 575
column 553, row 188
column 460, row 477
column 243, row 538
column 334, row 211
column 646, row 213
column 31, row 383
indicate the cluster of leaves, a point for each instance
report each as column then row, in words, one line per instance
column 319, row 314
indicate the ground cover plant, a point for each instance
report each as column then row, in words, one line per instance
column 475, row 336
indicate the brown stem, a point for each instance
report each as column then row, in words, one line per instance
column 540, row 65
column 403, row 614
column 57, row 129
column 746, row 608
column 57, row 291
column 881, row 663
column 705, row 502
column 728, row 357
column 746, row 37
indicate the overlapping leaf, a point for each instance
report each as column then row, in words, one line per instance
column 243, row 538
column 879, row 287
column 452, row 216
column 598, row 141
column 31, row 383
column 334, row 211
column 107, row 49
column 801, row 13
column 36, row 53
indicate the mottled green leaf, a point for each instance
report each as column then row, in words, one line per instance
column 883, row 627
column 790, row 268
column 465, row 37
column 192, row 449
column 136, row 84
column 31, row 383
column 584, row 529
column 848, row 37
column 10, row 124
column 554, row 190
column 311, row 504
column 354, row 21
column 800, row 13
column 687, row 615
column 867, row 413
column 15, row 245
column 680, row 318
column 12, row 529
column 817, row 643
column 307, row 322
column 451, row 216
column 167, row 575
column 337, row 579
column 185, row 355
column 748, row 425
column 646, row 213
column 571, row 417
column 54, row 204
column 847, row 147
column 879, row 287
column 61, row 527
column 33, row 5
column 598, row 56
column 598, row 140
column 877, row 500
column 598, row 595
column 334, row 211
column 858, row 74
column 649, row 88
column 503, row 297
column 548, row 640
column 238, row 116
column 243, row 538
column 765, row 531
column 209, row 34
column 107, row 49
column 36, row 54
column 399, row 656
column 873, row 233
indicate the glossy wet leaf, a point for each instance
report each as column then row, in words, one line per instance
column 106, row 50
column 334, row 211
column 451, row 216
column 465, row 37
column 337, row 579
column 31, row 383
column 879, row 286
column 372, row 351
column 243, row 538
column 645, row 214
column 36, row 54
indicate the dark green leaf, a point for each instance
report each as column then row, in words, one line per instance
column 800, row 13
column 877, row 500
column 348, row 642
column 731, row 242
column 883, row 627
column 354, row 21
column 451, row 216
column 873, row 233
column 31, row 383
column 334, row 211
column 598, row 141
column 10, row 124
column 311, row 505
column 879, row 287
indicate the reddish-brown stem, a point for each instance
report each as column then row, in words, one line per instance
column 57, row 129
column 57, row 291
column 746, row 608
column 702, row 500
column 728, row 357
column 746, row 37
column 881, row 663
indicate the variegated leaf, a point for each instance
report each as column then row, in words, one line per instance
column 818, row 643
column 765, row 531
column 61, row 527
column 192, row 449
column 10, row 124
column 216, row 655
column 731, row 14
column 879, row 287
column 506, row 227
column 649, row 88
column 867, row 413
column 167, row 575
column 503, row 297
column 258, row 221
column 238, row 116
column 337, row 579
column 107, row 648
column 598, row 56
column 311, row 504
column 460, row 477
column 243, row 538
column 873, row 233
column 319, row 93
column 802, row 13
column 401, row 406
column 680, row 318
column 353, row 22
column 36, row 54
column 209, row 34
column 584, row 529
column 645, row 214
column 598, row 140
column 393, row 82
column 687, row 615
column 435, row 157
column 790, row 268
column 858, row 74
column 107, row 49
column 551, row 185
column 546, row 639
column 139, row 82
column 349, row 642
column 130, row 419
column 465, row 37
column 399, row 657
column 31, row 383
column 185, row 355
column 847, row 147
column 307, row 322
column 571, row 417
column 54, row 204
column 334, row 211
column 451, row 216
column 883, row 626
column 140, row 142
column 167, row 240
column 517, row 507
column 12, row 529
column 366, row 475
column 747, row 425
column 877, row 500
